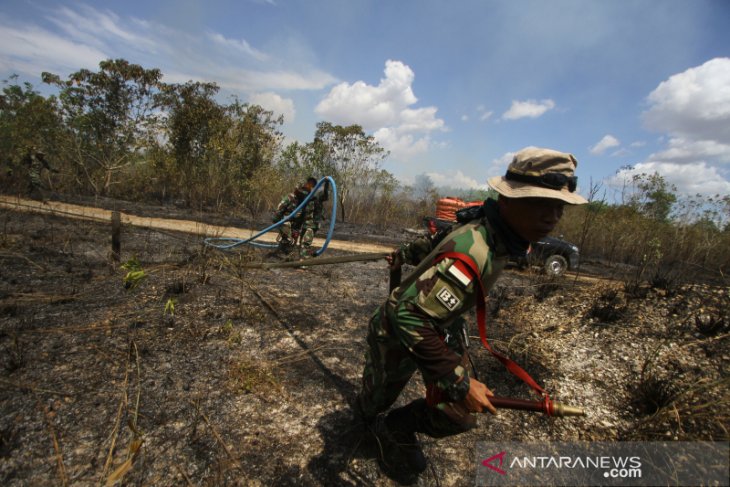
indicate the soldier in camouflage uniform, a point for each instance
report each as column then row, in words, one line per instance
column 36, row 162
column 420, row 327
column 289, row 232
column 313, row 215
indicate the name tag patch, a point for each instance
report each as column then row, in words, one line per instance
column 448, row 299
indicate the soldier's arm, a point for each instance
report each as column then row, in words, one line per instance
column 440, row 364
column 281, row 209
column 412, row 252
column 434, row 299
column 325, row 194
column 419, row 334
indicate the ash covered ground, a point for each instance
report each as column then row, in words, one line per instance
column 210, row 373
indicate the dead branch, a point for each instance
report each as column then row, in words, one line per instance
column 214, row 432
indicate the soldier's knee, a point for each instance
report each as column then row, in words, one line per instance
column 447, row 419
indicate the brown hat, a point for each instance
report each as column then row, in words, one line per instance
column 540, row 173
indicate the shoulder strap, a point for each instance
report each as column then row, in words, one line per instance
column 510, row 364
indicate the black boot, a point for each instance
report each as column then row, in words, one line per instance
column 402, row 457
column 360, row 416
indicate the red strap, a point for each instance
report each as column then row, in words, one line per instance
column 481, row 321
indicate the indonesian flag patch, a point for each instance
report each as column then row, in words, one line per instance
column 460, row 272
column 448, row 299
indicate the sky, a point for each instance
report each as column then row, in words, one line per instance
column 450, row 88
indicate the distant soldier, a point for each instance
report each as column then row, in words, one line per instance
column 312, row 220
column 289, row 232
column 36, row 162
column 420, row 325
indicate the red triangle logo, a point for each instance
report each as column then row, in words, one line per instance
column 499, row 456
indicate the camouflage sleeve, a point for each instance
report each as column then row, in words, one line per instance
column 435, row 300
column 421, row 314
column 283, row 208
column 414, row 251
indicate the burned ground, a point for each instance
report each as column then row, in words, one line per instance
column 200, row 371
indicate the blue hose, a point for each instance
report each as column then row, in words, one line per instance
column 224, row 243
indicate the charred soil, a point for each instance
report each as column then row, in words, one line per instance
column 187, row 368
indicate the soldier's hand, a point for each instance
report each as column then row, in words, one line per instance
column 395, row 258
column 477, row 399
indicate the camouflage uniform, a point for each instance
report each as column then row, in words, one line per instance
column 289, row 231
column 313, row 214
column 420, row 325
column 36, row 161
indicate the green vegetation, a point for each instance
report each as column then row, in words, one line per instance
column 122, row 132
column 135, row 273
column 668, row 239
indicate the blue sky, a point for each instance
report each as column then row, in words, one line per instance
column 451, row 89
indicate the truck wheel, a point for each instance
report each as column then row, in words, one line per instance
column 555, row 265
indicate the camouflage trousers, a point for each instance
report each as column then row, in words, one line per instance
column 289, row 234
column 388, row 368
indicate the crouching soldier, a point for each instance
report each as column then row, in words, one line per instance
column 313, row 215
column 419, row 326
column 289, row 232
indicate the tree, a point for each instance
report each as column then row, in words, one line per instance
column 254, row 137
column 217, row 149
column 28, row 121
column 245, row 147
column 348, row 155
column 655, row 197
column 192, row 118
column 112, row 115
column 306, row 160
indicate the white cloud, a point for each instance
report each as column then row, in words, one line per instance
column 690, row 179
column 528, row 109
column 605, row 143
column 694, row 104
column 247, row 80
column 621, row 153
column 97, row 28
column 455, row 180
column 683, row 150
column 485, row 116
column 499, row 166
column 402, row 144
column 239, row 45
column 275, row 103
column 692, row 110
column 371, row 106
column 29, row 50
column 459, row 180
column 82, row 36
column 385, row 110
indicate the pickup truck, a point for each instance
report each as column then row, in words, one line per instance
column 553, row 255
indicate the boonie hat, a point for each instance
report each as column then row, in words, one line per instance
column 540, row 173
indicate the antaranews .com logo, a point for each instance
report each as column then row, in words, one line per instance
column 612, row 467
column 603, row 463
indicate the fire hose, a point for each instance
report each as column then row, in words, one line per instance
column 223, row 243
